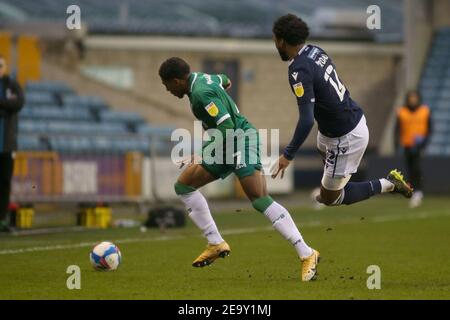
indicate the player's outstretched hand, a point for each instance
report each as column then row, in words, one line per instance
column 193, row 158
column 280, row 166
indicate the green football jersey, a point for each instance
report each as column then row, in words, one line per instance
column 211, row 104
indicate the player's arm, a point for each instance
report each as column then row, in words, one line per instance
column 14, row 102
column 302, row 86
column 302, row 130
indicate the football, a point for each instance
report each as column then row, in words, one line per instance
column 105, row 256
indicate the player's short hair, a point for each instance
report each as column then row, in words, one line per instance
column 174, row 68
column 291, row 29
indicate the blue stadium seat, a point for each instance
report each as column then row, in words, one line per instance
column 440, row 126
column 442, row 105
column 33, row 126
column 90, row 102
column 28, row 142
column 84, row 124
column 445, row 95
column 149, row 130
column 70, row 144
column 438, row 138
column 200, row 18
column 49, row 113
column 124, row 117
column 102, row 144
column 39, row 98
column 435, row 89
column 29, row 105
column 131, row 143
column 71, row 127
column 47, row 86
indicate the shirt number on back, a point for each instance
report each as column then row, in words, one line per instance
column 337, row 85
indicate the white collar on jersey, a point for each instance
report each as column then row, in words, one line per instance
column 193, row 80
column 299, row 53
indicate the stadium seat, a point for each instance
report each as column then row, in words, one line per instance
column 33, row 126
column 89, row 102
column 124, row 117
column 48, row 87
column 40, row 98
column 70, row 144
column 214, row 18
column 131, row 143
column 56, row 114
column 83, row 124
column 30, row 143
column 435, row 89
column 148, row 130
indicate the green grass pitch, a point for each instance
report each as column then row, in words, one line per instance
column 411, row 247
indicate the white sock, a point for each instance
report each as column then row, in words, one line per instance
column 283, row 223
column 199, row 212
column 386, row 185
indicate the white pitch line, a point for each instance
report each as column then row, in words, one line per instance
column 119, row 241
column 314, row 223
column 245, row 230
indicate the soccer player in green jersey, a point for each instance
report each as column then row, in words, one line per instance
column 211, row 104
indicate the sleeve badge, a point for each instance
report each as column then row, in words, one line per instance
column 212, row 109
column 298, row 89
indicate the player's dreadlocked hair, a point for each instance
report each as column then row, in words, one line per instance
column 174, row 68
column 291, row 29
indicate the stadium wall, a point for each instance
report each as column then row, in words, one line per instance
column 439, row 11
column 368, row 70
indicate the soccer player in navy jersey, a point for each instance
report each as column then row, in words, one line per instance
column 343, row 134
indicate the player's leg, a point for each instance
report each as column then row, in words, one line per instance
column 415, row 175
column 192, row 178
column 342, row 158
column 254, row 186
column 337, row 190
column 415, row 170
column 6, row 171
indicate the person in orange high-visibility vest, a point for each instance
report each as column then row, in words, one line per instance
column 413, row 130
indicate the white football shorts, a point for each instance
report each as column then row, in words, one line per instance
column 342, row 155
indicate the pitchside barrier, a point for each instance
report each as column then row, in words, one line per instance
column 131, row 177
column 53, row 177
column 93, row 181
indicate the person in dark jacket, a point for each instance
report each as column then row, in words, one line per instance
column 11, row 102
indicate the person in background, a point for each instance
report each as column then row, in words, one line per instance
column 413, row 130
column 11, row 102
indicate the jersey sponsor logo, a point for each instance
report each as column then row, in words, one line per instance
column 298, row 89
column 212, row 109
column 313, row 54
column 294, row 75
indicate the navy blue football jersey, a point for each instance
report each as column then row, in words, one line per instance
column 313, row 78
